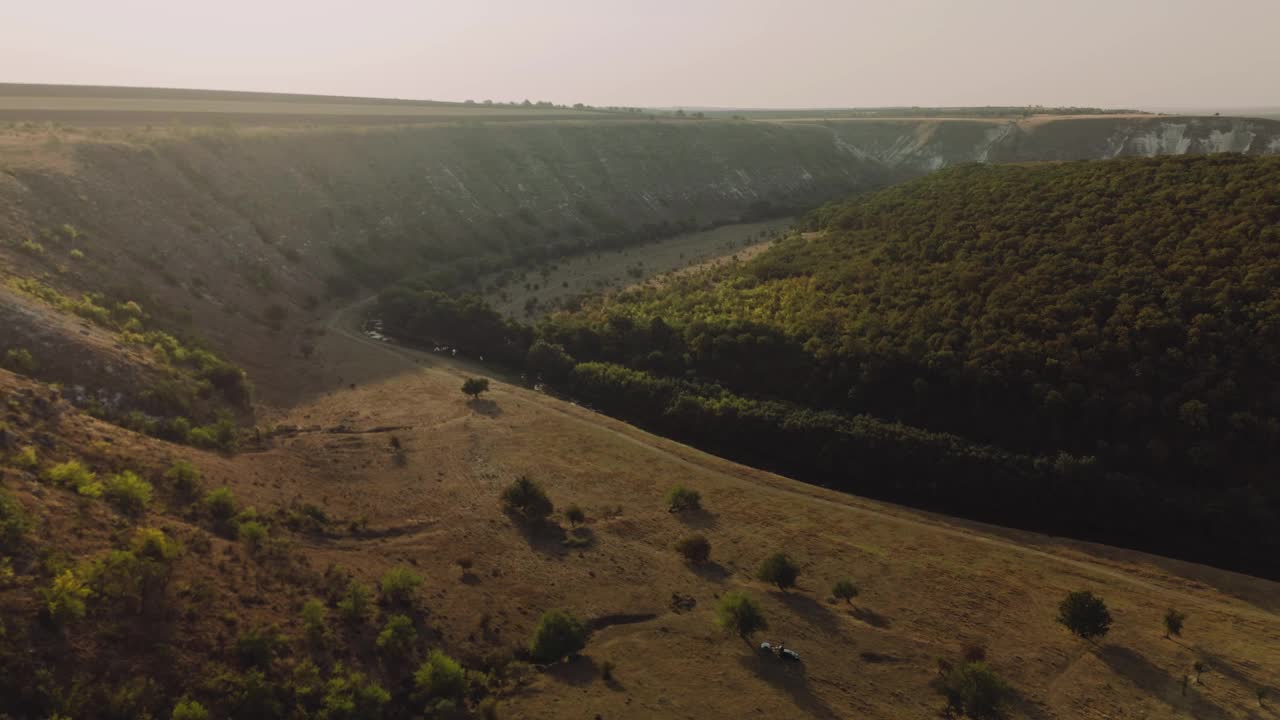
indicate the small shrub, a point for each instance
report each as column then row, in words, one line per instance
column 1084, row 614
column 739, row 613
column 78, row 254
column 683, row 499
column 71, row 474
column 188, row 709
column 575, row 515
column 440, row 677
column 258, row 647
column 779, row 569
column 128, row 492
column 398, row 636
column 254, row 535
column 1173, row 621
column 20, row 361
column 475, row 386
column 354, row 607
column 153, row 544
column 975, row 690
column 315, row 621
column 13, row 521
column 845, row 590
column 65, row 598
column 606, row 670
column 352, row 696
column 185, row 479
column 558, row 634
column 400, row 585
column 695, row 549
column 526, row 498
column 26, row 458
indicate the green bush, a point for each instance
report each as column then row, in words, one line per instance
column 128, row 493
column 153, row 544
column 254, row 535
column 65, row 598
column 26, row 458
column 1173, row 621
column 1084, row 614
column 475, row 386
column 221, row 506
column 695, row 548
column 975, row 690
column 257, row 647
column 400, row 585
column 845, row 590
column 315, row 621
column 355, row 605
column 440, row 677
column 352, row 696
column 20, row 360
column 71, row 474
column 397, row 636
column 558, row 634
column 13, row 521
column 779, row 569
column 526, row 499
column 739, row 613
column 682, row 499
column 188, row 709
column 185, row 479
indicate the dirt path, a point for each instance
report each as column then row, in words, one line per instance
column 1185, row 581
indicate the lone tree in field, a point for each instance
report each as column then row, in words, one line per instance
column 1084, row 614
column 845, row 590
column 558, row 634
column 1173, row 621
column 738, row 613
column 780, row 570
column 475, row 386
column 695, row 548
column 975, row 690
column 682, row 499
column 527, row 500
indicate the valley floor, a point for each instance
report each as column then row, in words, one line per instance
column 930, row 586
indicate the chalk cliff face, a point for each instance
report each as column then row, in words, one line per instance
column 924, row 145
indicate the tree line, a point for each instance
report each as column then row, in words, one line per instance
column 1048, row 346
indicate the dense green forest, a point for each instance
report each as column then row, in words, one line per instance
column 1086, row 348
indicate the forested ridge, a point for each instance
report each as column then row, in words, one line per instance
column 1087, row 348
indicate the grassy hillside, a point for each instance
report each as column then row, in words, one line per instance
column 246, row 607
column 1098, row 335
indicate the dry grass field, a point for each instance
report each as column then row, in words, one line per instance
column 930, row 586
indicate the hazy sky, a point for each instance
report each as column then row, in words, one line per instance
column 667, row 52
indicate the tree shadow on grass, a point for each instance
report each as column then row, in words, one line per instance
column 579, row 538
column 699, row 519
column 578, row 671
column 807, row 608
column 1217, row 664
column 789, row 677
column 488, row 408
column 1024, row 706
column 711, row 570
column 543, row 537
column 869, row 616
column 1158, row 683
